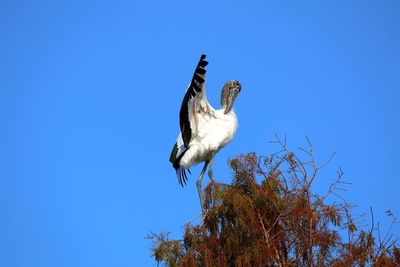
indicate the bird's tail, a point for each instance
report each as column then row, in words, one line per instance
column 180, row 172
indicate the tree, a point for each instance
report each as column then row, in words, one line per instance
column 269, row 216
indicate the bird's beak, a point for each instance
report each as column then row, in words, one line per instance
column 231, row 99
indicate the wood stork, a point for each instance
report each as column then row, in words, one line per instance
column 204, row 130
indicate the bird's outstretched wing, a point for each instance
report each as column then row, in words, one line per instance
column 194, row 100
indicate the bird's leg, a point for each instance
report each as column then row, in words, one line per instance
column 198, row 183
column 211, row 175
column 210, row 171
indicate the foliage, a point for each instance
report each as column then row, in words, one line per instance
column 269, row 216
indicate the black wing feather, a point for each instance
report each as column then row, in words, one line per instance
column 197, row 78
column 200, row 70
column 195, row 86
column 203, row 63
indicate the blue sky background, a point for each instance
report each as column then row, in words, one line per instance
column 90, row 93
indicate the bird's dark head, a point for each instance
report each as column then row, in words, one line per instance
column 229, row 93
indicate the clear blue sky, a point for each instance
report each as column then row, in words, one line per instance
column 90, row 93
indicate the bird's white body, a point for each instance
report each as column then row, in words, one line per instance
column 212, row 131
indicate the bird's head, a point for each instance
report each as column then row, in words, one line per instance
column 229, row 93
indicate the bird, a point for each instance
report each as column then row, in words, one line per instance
column 203, row 130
